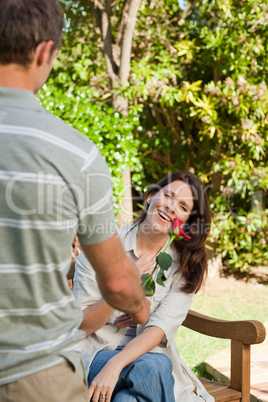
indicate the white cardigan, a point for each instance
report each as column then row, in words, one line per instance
column 169, row 308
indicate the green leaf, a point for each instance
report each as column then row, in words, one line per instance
column 164, row 260
column 149, row 288
column 161, row 278
column 144, row 278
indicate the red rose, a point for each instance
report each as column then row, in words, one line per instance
column 177, row 230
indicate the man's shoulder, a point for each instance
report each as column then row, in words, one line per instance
column 55, row 125
column 55, row 141
column 70, row 140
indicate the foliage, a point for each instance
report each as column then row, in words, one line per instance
column 202, row 86
column 112, row 132
column 198, row 88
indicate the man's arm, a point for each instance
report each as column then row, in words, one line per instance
column 118, row 278
column 96, row 316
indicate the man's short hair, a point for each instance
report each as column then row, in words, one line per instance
column 24, row 24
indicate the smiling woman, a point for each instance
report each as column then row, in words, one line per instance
column 175, row 200
column 142, row 362
column 184, row 197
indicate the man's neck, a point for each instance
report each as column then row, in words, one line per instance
column 16, row 76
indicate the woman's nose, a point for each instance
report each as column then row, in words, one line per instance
column 170, row 207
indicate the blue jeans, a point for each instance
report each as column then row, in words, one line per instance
column 147, row 379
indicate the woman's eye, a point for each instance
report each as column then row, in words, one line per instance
column 183, row 208
column 167, row 195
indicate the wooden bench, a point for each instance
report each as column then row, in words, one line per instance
column 242, row 334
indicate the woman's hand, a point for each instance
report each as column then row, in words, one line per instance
column 146, row 263
column 104, row 383
column 124, row 321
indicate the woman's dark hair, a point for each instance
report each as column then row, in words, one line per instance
column 24, row 24
column 192, row 253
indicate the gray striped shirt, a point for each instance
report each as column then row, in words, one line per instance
column 54, row 184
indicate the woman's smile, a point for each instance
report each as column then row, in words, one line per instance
column 164, row 217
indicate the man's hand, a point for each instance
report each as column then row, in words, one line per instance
column 124, row 321
column 141, row 317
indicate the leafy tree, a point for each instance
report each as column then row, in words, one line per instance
column 80, row 92
column 197, row 100
column 203, row 89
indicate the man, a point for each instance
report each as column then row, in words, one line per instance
column 53, row 185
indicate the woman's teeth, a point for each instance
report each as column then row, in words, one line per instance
column 164, row 216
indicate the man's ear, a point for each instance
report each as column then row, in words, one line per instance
column 43, row 52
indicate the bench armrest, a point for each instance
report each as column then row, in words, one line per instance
column 249, row 332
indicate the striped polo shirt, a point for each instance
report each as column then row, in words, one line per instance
column 54, row 184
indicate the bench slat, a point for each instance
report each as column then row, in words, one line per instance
column 221, row 392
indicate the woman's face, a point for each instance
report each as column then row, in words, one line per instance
column 173, row 201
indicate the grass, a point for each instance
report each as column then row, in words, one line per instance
column 246, row 301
